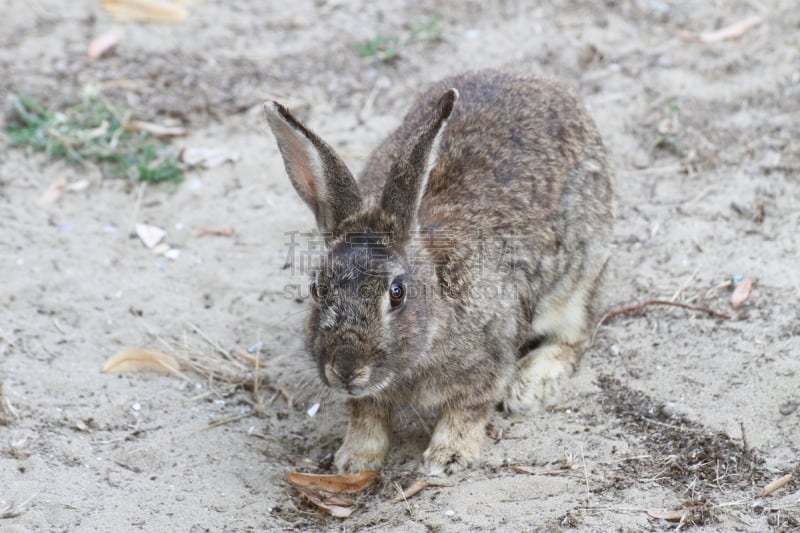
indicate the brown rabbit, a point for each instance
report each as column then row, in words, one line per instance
column 462, row 269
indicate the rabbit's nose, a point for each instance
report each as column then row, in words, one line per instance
column 344, row 362
column 347, row 369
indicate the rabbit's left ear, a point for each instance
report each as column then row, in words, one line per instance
column 408, row 177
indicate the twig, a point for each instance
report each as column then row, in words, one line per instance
column 745, row 447
column 586, row 476
column 401, row 497
column 213, row 425
column 6, row 404
column 638, row 307
column 241, row 352
column 417, row 487
column 13, row 511
column 775, row 485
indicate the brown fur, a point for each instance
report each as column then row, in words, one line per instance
column 502, row 242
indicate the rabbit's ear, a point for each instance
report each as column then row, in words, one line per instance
column 319, row 176
column 408, row 177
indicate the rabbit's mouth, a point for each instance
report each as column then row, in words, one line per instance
column 355, row 384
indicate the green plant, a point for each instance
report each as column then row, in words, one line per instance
column 92, row 131
column 386, row 47
column 383, row 47
column 668, row 130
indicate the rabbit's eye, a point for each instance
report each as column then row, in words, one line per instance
column 318, row 292
column 397, row 294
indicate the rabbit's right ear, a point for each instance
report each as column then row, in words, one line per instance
column 319, row 176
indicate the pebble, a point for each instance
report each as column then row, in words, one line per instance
column 789, row 407
column 450, row 512
column 172, row 253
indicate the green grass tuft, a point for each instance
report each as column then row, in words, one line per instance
column 92, row 132
column 387, row 48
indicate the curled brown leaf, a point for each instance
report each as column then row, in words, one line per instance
column 335, row 483
column 140, row 359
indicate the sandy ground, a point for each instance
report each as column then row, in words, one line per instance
column 671, row 409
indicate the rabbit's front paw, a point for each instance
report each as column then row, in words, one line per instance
column 350, row 458
column 366, row 442
column 456, row 441
column 446, row 460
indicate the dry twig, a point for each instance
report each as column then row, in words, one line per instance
column 418, row 487
column 775, row 485
column 638, row 307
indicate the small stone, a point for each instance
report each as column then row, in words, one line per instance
column 450, row 512
column 789, row 407
column 172, row 254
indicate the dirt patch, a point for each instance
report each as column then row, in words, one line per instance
column 703, row 138
column 702, row 466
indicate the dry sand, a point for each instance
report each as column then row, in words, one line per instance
column 671, row 409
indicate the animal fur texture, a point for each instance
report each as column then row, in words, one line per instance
column 463, row 266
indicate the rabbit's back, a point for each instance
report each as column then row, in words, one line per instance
column 520, row 157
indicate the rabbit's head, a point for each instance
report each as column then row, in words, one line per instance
column 371, row 318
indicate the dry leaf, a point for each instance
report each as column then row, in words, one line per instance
column 139, row 359
column 669, row 515
column 336, row 483
column 149, row 235
column 103, row 43
column 742, row 292
column 53, row 193
column 730, row 32
column 418, row 487
column 332, row 506
column 146, row 10
column 207, row 157
column 775, row 485
column 222, row 232
column 159, row 130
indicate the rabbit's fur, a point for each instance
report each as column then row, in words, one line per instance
column 492, row 207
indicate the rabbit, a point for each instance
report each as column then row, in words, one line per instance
column 461, row 271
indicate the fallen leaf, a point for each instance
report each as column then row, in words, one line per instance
column 53, row 193
column 140, row 359
column 159, row 130
column 775, row 485
column 742, row 292
column 222, row 232
column 673, row 515
column 207, row 157
column 332, row 506
column 418, row 487
column 146, row 10
column 149, row 235
column 103, row 43
column 730, row 32
column 336, row 483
